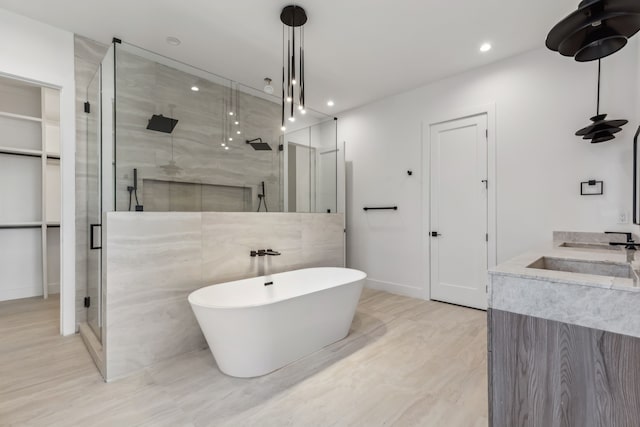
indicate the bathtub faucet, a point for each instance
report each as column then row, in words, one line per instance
column 263, row 252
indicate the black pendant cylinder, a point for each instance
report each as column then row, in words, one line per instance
column 293, row 56
column 293, row 16
column 289, row 94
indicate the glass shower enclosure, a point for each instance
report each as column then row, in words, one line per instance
column 100, row 138
column 165, row 136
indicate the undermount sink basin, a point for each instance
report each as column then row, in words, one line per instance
column 598, row 246
column 597, row 268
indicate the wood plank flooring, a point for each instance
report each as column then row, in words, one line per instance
column 406, row 362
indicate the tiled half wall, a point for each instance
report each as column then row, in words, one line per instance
column 153, row 260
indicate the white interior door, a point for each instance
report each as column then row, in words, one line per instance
column 458, row 235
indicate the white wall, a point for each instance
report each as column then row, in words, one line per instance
column 541, row 99
column 43, row 54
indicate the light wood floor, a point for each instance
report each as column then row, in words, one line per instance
column 406, row 362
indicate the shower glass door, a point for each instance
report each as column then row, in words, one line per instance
column 94, row 206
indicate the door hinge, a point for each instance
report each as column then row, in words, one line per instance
column 486, row 133
column 87, row 302
column 486, row 237
column 87, row 107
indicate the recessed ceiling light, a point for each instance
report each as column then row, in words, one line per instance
column 330, row 103
column 238, row 132
column 223, row 144
column 231, row 113
column 236, row 123
column 283, row 128
column 195, row 88
column 486, row 47
column 226, row 148
column 173, row 41
column 230, row 139
column 303, row 111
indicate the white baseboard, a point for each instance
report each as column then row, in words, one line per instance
column 27, row 292
column 395, row 288
column 19, row 293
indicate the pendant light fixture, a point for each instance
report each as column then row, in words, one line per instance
column 601, row 130
column 597, row 29
column 293, row 85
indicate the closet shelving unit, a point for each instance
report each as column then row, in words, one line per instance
column 29, row 190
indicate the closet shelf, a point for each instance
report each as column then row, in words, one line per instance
column 36, row 224
column 27, row 152
column 20, row 152
column 20, row 116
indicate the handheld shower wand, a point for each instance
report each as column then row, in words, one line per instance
column 263, row 197
column 133, row 190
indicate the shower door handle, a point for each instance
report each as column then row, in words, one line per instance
column 91, row 239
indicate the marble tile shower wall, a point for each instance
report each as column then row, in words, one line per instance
column 152, row 261
column 193, row 152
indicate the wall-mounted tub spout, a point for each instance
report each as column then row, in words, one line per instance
column 263, row 252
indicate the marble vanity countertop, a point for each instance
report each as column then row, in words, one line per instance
column 519, row 266
column 596, row 301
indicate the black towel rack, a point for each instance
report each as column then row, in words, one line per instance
column 387, row 208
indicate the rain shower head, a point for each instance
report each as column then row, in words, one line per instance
column 161, row 123
column 258, row 145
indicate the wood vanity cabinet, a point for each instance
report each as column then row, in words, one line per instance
column 546, row 373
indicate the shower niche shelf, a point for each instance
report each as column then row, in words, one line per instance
column 29, row 190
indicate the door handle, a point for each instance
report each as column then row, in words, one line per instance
column 435, row 234
column 91, row 228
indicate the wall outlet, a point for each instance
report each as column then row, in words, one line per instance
column 623, row 218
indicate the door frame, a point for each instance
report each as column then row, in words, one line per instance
column 492, row 224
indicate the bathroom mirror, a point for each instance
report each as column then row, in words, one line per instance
column 190, row 141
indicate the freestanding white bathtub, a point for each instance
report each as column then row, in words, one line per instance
column 253, row 329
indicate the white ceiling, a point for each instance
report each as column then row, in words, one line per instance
column 356, row 51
